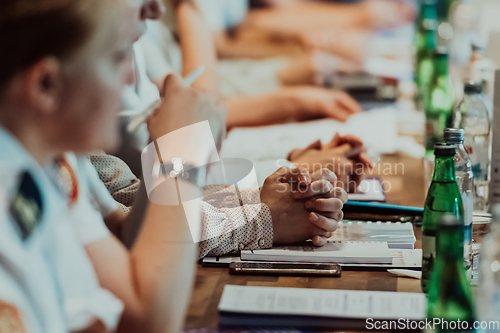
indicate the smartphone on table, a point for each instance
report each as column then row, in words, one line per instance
column 290, row 269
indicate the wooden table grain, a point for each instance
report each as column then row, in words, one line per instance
column 403, row 178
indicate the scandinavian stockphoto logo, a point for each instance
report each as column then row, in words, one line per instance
column 231, row 191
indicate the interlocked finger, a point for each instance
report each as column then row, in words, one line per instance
column 317, row 188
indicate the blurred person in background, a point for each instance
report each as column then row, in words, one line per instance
column 160, row 52
column 320, row 24
column 60, row 85
column 258, row 96
column 192, row 46
column 153, row 57
column 319, row 38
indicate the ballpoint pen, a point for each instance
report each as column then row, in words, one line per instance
column 141, row 117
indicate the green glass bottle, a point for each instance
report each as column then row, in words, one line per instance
column 443, row 198
column 443, row 9
column 425, row 47
column 450, row 296
column 439, row 102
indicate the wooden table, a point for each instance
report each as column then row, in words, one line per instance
column 405, row 176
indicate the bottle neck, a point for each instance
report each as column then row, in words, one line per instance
column 444, row 170
column 443, row 9
column 431, row 40
column 451, row 242
column 441, row 64
column 427, row 11
column 459, row 145
column 428, row 24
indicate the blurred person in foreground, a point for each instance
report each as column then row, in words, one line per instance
column 61, row 269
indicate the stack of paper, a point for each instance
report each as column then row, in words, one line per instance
column 340, row 252
column 397, row 235
column 300, row 307
column 401, row 258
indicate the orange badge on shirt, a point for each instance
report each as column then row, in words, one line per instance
column 10, row 319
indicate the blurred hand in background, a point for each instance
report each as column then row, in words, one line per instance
column 344, row 155
column 183, row 106
column 314, row 103
column 299, row 103
column 315, row 68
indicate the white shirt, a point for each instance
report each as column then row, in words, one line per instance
column 140, row 95
column 85, row 300
column 223, row 14
column 162, row 53
column 48, row 277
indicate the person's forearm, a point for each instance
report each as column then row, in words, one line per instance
column 251, row 43
column 154, row 279
column 260, row 110
column 197, row 46
column 278, row 3
column 162, row 260
column 342, row 15
column 306, row 16
column 248, row 224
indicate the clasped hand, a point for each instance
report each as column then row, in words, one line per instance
column 303, row 205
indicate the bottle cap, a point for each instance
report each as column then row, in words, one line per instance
column 445, row 31
column 473, row 88
column 454, row 135
column 450, row 220
column 444, row 150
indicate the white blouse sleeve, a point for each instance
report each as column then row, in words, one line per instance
column 161, row 51
column 223, row 14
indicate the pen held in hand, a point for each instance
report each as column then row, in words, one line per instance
column 189, row 80
column 140, row 118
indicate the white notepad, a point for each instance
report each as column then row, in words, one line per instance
column 397, row 235
column 368, row 190
column 401, row 258
column 359, row 304
column 341, row 252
